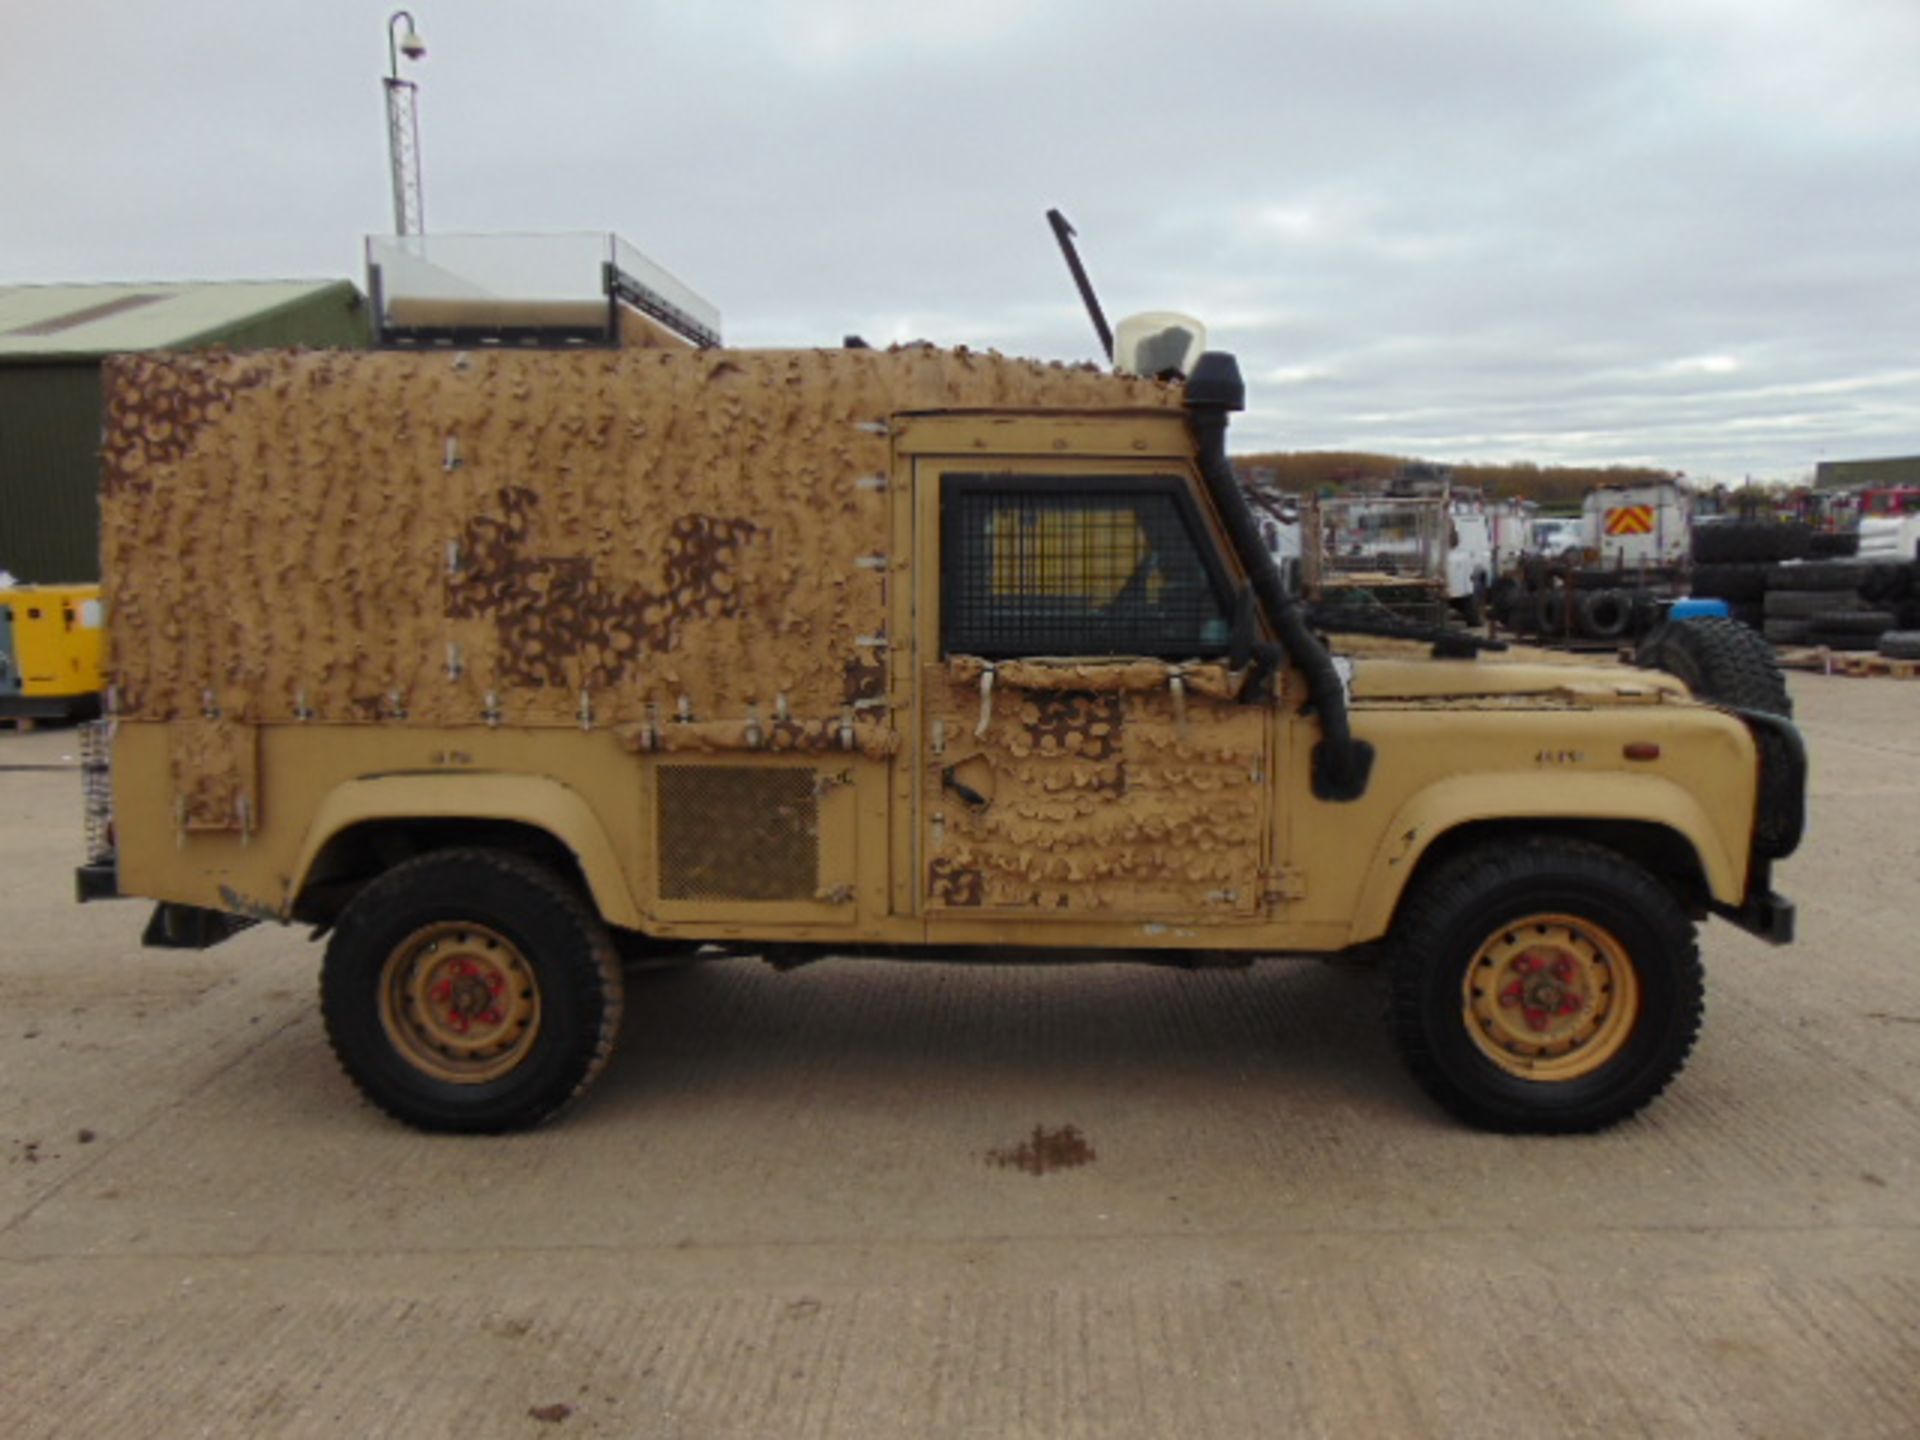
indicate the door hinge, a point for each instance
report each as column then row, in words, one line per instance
column 1283, row 883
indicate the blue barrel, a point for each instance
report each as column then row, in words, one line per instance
column 1688, row 609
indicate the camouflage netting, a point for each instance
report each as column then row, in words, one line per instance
column 531, row 538
column 1109, row 787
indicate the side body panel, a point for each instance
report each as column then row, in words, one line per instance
column 288, row 792
column 1439, row 767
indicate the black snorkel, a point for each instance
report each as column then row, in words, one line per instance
column 1341, row 764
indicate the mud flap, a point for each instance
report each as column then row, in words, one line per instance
column 189, row 927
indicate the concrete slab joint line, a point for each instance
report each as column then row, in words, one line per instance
column 1275, row 1238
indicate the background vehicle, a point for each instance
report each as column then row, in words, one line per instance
column 1637, row 526
column 1890, row 523
column 50, row 651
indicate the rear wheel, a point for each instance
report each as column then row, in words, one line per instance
column 1553, row 988
column 470, row 990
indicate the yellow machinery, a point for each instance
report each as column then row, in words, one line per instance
column 50, row 650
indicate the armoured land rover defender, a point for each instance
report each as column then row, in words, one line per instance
column 502, row 669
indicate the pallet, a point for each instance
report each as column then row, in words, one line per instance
column 1820, row 659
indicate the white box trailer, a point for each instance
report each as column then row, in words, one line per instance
column 1630, row 526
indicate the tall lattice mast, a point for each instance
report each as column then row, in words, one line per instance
column 403, row 128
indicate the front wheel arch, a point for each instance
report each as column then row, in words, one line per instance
column 1660, row 850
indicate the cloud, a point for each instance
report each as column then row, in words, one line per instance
column 1675, row 230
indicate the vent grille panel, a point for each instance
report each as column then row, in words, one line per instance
column 738, row 832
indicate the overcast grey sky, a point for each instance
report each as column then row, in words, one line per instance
column 1684, row 232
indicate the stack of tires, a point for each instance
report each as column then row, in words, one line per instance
column 1841, row 604
column 1593, row 605
column 1734, row 561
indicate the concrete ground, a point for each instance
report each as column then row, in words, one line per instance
column 805, row 1205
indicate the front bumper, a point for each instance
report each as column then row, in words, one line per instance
column 1764, row 912
column 1779, row 823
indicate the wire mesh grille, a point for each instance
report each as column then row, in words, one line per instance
column 738, row 832
column 1074, row 572
column 96, row 783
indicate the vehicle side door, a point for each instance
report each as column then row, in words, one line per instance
column 1083, row 753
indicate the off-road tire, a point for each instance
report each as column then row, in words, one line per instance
column 1838, row 640
column 1888, row 581
column 1605, row 614
column 1452, row 919
column 1871, row 623
column 1833, row 544
column 1550, row 613
column 1805, row 604
column 1741, row 581
column 1841, row 575
column 1901, row 644
column 1721, row 660
column 1744, row 540
column 563, row 952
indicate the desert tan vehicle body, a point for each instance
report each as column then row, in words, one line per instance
column 808, row 651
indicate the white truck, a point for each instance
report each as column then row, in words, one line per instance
column 1638, row 526
column 1890, row 523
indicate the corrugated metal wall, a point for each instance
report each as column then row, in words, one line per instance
column 1854, row 474
column 50, row 437
column 49, row 472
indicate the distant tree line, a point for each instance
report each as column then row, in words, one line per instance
column 1302, row 472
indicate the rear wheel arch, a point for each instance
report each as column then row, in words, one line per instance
column 366, row 827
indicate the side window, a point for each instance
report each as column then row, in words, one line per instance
column 1064, row 565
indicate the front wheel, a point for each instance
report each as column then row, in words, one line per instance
column 470, row 990
column 1552, row 987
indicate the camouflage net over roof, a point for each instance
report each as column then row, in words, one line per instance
column 525, row 537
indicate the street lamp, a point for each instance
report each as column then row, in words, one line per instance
column 403, row 126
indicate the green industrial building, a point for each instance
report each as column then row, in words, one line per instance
column 52, row 340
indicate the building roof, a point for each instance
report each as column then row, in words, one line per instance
column 1853, row 474
column 78, row 322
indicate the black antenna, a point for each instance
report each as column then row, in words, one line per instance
column 1063, row 232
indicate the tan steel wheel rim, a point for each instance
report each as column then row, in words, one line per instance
column 1551, row 997
column 459, row 1002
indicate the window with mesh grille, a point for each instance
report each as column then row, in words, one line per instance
column 738, row 832
column 1077, row 566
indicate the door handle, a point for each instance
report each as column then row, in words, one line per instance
column 967, row 794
